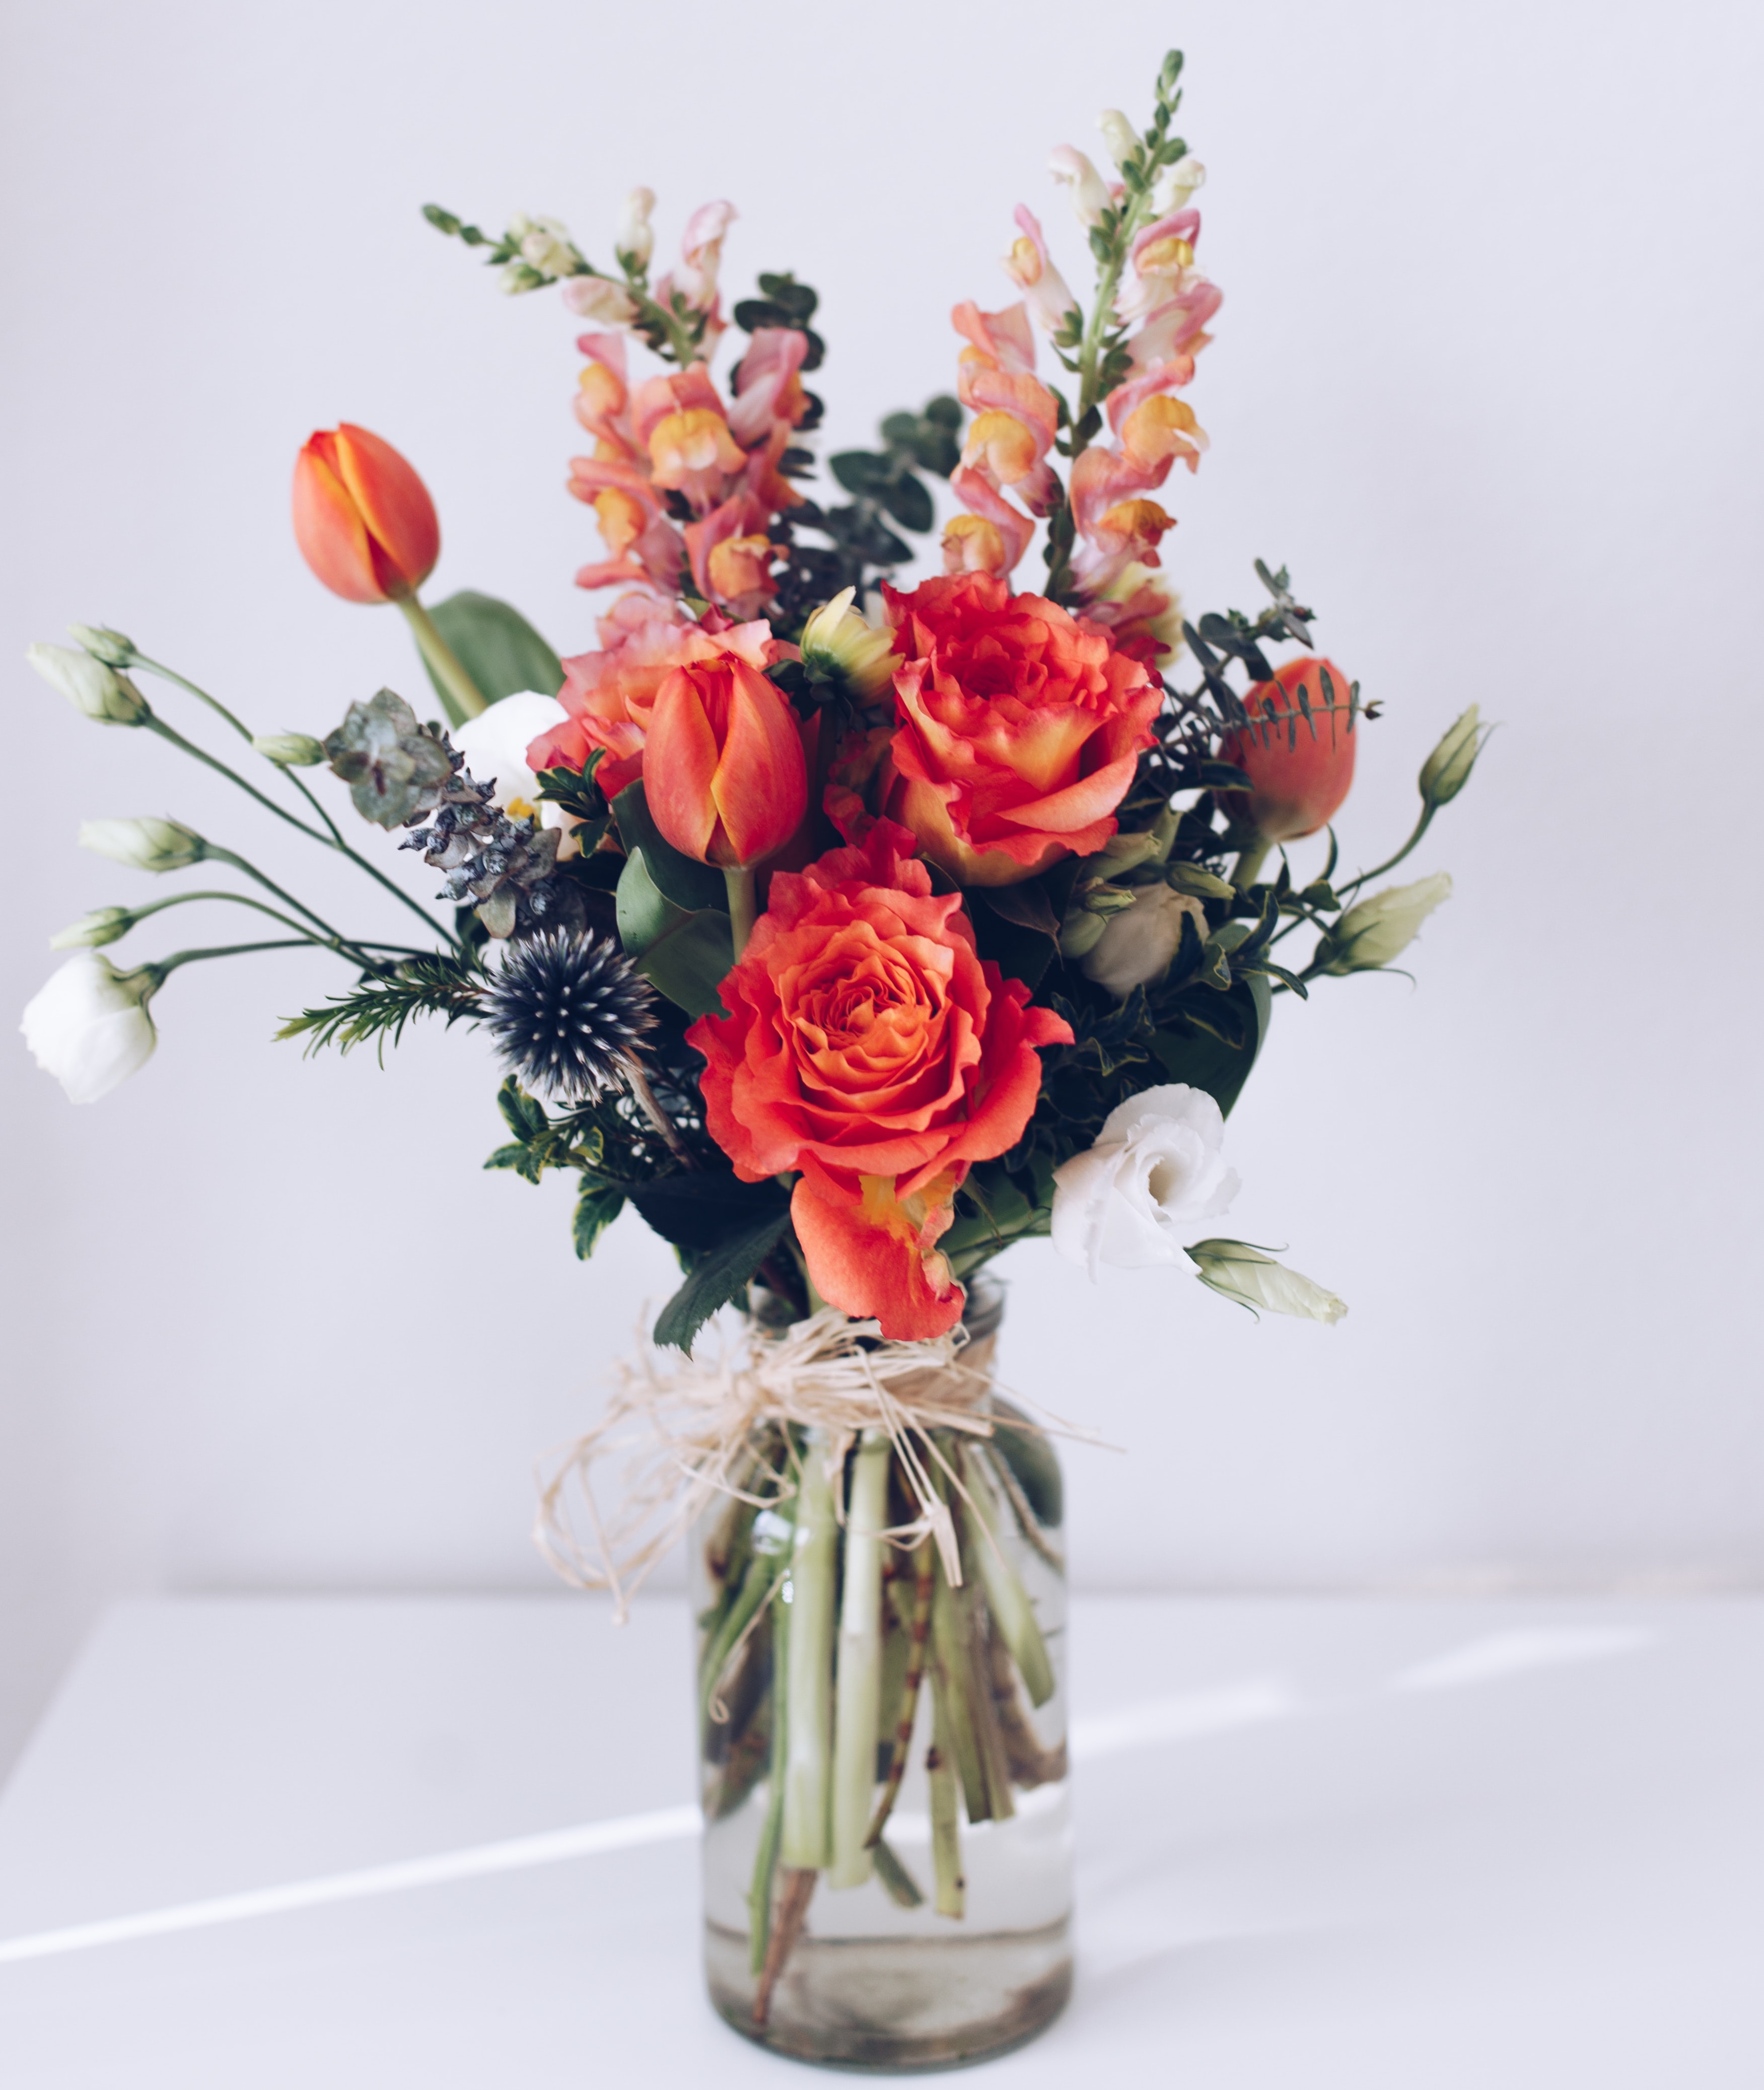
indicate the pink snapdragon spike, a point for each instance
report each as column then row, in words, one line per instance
column 1029, row 268
column 1016, row 421
column 701, row 257
column 767, row 387
column 1090, row 194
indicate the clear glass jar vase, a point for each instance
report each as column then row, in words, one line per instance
column 887, row 1851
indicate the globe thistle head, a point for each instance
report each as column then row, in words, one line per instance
column 569, row 1013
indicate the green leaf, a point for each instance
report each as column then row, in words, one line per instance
column 861, row 472
column 907, row 500
column 718, row 1277
column 1032, row 1462
column 1205, row 1059
column 497, row 646
column 686, row 952
column 596, row 1209
column 1195, row 879
column 700, row 1211
column 685, row 882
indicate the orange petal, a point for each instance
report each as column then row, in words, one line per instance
column 394, row 504
column 333, row 539
column 868, row 1258
column 761, row 785
column 680, row 767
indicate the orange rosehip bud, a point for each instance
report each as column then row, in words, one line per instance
column 724, row 771
column 363, row 520
column 1300, row 778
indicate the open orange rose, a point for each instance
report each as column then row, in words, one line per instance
column 867, row 1046
column 610, row 695
column 1020, row 727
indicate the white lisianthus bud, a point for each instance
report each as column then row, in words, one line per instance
column 1176, row 184
column 143, row 845
column 1156, row 1168
column 104, row 644
column 495, row 745
column 1137, row 945
column 104, row 925
column 89, row 1026
column 838, row 642
column 1375, row 931
column 1089, row 194
column 89, row 685
column 1118, row 135
column 1236, row 1270
column 636, row 239
column 1447, row 770
column 293, row 750
column 600, row 300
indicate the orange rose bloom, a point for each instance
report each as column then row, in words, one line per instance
column 610, row 695
column 1020, row 728
column 870, row 1047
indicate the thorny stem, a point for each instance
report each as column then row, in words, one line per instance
column 461, row 697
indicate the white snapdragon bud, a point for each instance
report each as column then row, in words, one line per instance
column 104, row 644
column 1447, row 770
column 104, row 925
column 1236, row 1270
column 544, row 246
column 843, row 645
column 1118, row 135
column 90, row 685
column 1137, row 945
column 1176, row 184
column 89, row 1026
column 147, row 844
column 1156, row 1168
column 1089, row 191
column 600, row 300
column 636, row 239
column 292, row 750
column 1375, row 931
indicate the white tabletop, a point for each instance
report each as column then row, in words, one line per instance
column 1321, row 1842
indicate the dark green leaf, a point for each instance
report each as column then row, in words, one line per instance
column 907, row 500
column 497, row 646
column 1032, row 1462
column 861, row 472
column 718, row 1277
column 700, row 1211
column 1205, row 1059
column 685, row 952
column 596, row 1209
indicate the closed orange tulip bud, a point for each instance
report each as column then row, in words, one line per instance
column 1300, row 783
column 363, row 520
column 724, row 771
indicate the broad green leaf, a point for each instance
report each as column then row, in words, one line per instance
column 684, row 952
column 1032, row 1462
column 596, row 1209
column 717, row 1278
column 1204, row 1059
column 700, row 1211
column 497, row 646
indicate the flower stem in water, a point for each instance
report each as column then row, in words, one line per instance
column 1012, row 1613
column 808, row 1761
column 945, row 1811
column 766, row 1858
column 859, row 1686
column 924, row 1559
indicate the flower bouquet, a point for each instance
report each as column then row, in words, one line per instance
column 851, row 932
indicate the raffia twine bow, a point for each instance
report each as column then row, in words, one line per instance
column 685, row 1426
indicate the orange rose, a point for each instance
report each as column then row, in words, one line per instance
column 611, row 695
column 1020, row 728
column 868, row 1047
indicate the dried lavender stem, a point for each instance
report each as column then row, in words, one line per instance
column 808, row 1761
column 924, row 1559
column 858, row 1683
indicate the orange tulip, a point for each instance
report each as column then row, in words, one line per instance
column 363, row 520
column 1300, row 783
column 724, row 771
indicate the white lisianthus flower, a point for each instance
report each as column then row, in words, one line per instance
column 600, row 300
column 148, row 844
column 291, row 750
column 114, row 648
column 1156, row 1168
column 1253, row 1278
column 1137, row 945
column 104, row 925
column 839, row 642
column 89, row 685
column 1375, row 931
column 495, row 745
column 89, row 1026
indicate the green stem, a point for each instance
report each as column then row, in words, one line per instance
column 214, row 704
column 1390, row 863
column 859, row 1690
column 335, row 937
column 189, row 747
column 1013, row 1613
column 743, row 887
column 764, row 1574
column 766, row 1857
column 461, row 697
column 166, row 966
column 808, row 1756
column 945, row 1810
column 1244, row 871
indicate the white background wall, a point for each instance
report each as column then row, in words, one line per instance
column 1486, row 375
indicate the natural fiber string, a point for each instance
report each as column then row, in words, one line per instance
column 685, row 1424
